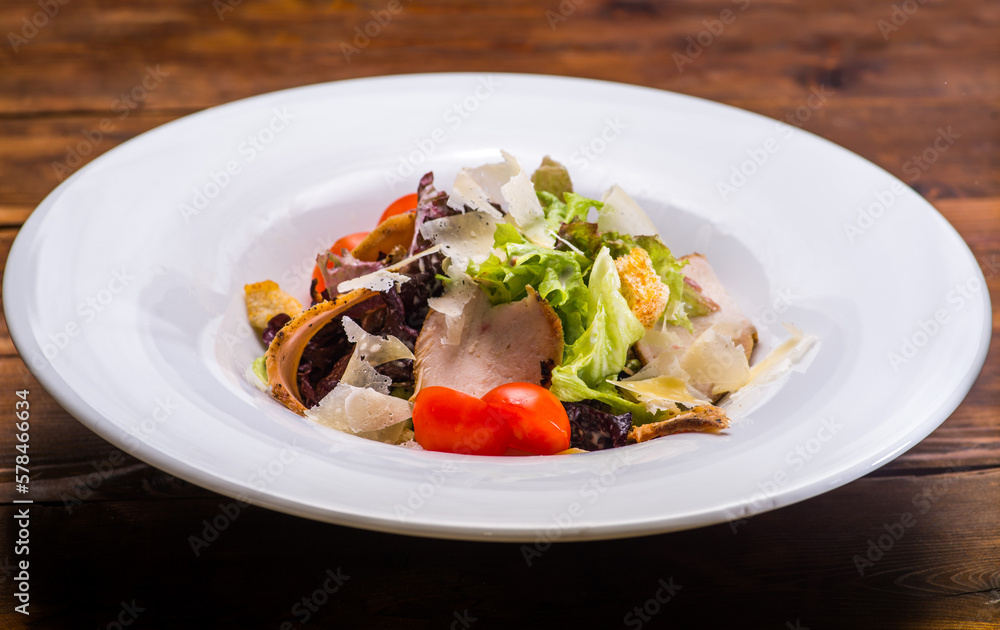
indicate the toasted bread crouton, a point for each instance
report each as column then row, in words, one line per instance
column 645, row 293
column 265, row 300
column 700, row 418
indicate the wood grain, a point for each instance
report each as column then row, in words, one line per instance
column 941, row 571
column 107, row 528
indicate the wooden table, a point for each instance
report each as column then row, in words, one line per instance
column 110, row 535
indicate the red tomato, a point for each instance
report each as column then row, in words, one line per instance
column 537, row 419
column 401, row 205
column 348, row 242
column 448, row 420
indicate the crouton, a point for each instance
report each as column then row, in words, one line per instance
column 264, row 300
column 645, row 293
column 700, row 418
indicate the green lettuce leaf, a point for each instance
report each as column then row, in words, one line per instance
column 684, row 300
column 552, row 177
column 572, row 207
column 569, row 387
column 601, row 352
column 556, row 275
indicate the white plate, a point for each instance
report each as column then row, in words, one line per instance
column 131, row 315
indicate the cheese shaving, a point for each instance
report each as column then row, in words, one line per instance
column 622, row 214
column 505, row 183
column 373, row 349
column 462, row 237
column 379, row 280
column 715, row 362
column 661, row 392
column 468, row 193
column 523, row 206
column 360, row 404
column 384, row 279
column 452, row 304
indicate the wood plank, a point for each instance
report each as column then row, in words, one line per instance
column 70, row 462
column 37, row 153
column 800, row 563
column 12, row 216
column 283, row 43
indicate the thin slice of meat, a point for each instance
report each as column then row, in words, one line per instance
column 700, row 418
column 729, row 316
column 518, row 342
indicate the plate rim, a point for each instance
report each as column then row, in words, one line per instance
column 19, row 327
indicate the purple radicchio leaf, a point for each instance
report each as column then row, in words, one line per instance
column 345, row 268
column 274, row 324
column 594, row 429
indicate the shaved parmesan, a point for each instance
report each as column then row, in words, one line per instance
column 462, row 237
column 622, row 214
column 783, row 358
column 469, row 193
column 795, row 354
column 507, row 184
column 661, row 392
column 360, row 404
column 369, row 410
column 523, row 206
column 363, row 412
column 384, row 279
column 452, row 304
column 373, row 349
column 715, row 363
column 380, row 280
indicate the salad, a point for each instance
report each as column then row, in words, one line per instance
column 509, row 315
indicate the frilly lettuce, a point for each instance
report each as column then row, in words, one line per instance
column 601, row 352
column 557, row 276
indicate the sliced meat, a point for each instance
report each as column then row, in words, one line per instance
column 515, row 342
column 700, row 418
column 729, row 316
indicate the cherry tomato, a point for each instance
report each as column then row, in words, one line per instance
column 401, row 205
column 448, row 420
column 536, row 418
column 348, row 242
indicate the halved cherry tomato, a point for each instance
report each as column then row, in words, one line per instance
column 447, row 420
column 401, row 205
column 348, row 242
column 537, row 419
